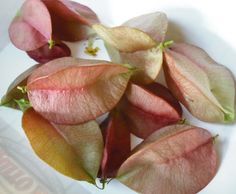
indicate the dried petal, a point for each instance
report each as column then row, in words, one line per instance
column 72, row 91
column 75, row 18
column 72, row 11
column 150, row 107
column 44, row 54
column 117, row 144
column 31, row 28
column 183, row 161
column 87, row 141
column 40, row 21
column 128, row 44
column 148, row 64
column 124, row 38
column 154, row 24
column 65, row 148
column 203, row 86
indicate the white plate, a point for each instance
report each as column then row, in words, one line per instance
column 208, row 24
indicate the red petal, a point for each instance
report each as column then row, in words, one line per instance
column 117, row 144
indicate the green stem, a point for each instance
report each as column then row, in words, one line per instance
column 103, row 181
column 214, row 138
column 182, row 121
column 51, row 43
column 165, row 44
column 18, row 13
column 23, row 104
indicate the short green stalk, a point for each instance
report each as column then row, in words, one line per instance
column 22, row 103
column 103, row 181
column 165, row 44
column 215, row 138
column 183, row 121
column 51, row 43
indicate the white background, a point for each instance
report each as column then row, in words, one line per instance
column 209, row 24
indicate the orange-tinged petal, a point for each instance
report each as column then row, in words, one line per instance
column 65, row 150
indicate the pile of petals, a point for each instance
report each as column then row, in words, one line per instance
column 62, row 97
